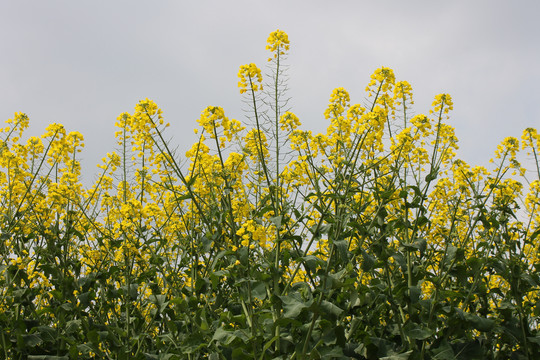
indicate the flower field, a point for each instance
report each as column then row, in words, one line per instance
column 266, row 241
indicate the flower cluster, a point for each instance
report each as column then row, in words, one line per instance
column 278, row 43
column 289, row 121
column 250, row 78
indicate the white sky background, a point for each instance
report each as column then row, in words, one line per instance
column 83, row 63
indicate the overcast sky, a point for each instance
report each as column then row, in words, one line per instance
column 82, row 63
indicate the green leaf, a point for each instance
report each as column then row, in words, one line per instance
column 420, row 244
column 414, row 293
column 417, row 331
column 401, row 356
column 240, row 334
column 133, row 291
column 469, row 350
column 276, row 220
column 226, row 337
column 422, row 220
column 293, row 305
column 32, row 340
column 342, row 247
column 269, row 343
column 312, row 262
column 259, row 290
column 335, row 352
column 479, row 323
column 85, row 348
column 93, row 336
column 160, row 301
column 367, row 261
column 331, row 308
column 68, row 307
column 400, row 259
column 47, row 333
column 85, row 298
column 444, row 352
column 451, row 253
column 432, row 175
column 223, row 336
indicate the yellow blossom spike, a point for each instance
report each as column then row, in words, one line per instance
column 250, row 78
column 278, row 43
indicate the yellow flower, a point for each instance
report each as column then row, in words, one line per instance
column 289, row 121
column 382, row 80
column 278, row 43
column 256, row 145
column 209, row 119
column 403, row 93
column 530, row 140
column 250, row 78
column 442, row 102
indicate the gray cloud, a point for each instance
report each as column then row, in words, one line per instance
column 82, row 64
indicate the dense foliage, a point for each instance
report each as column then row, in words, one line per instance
column 370, row 241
